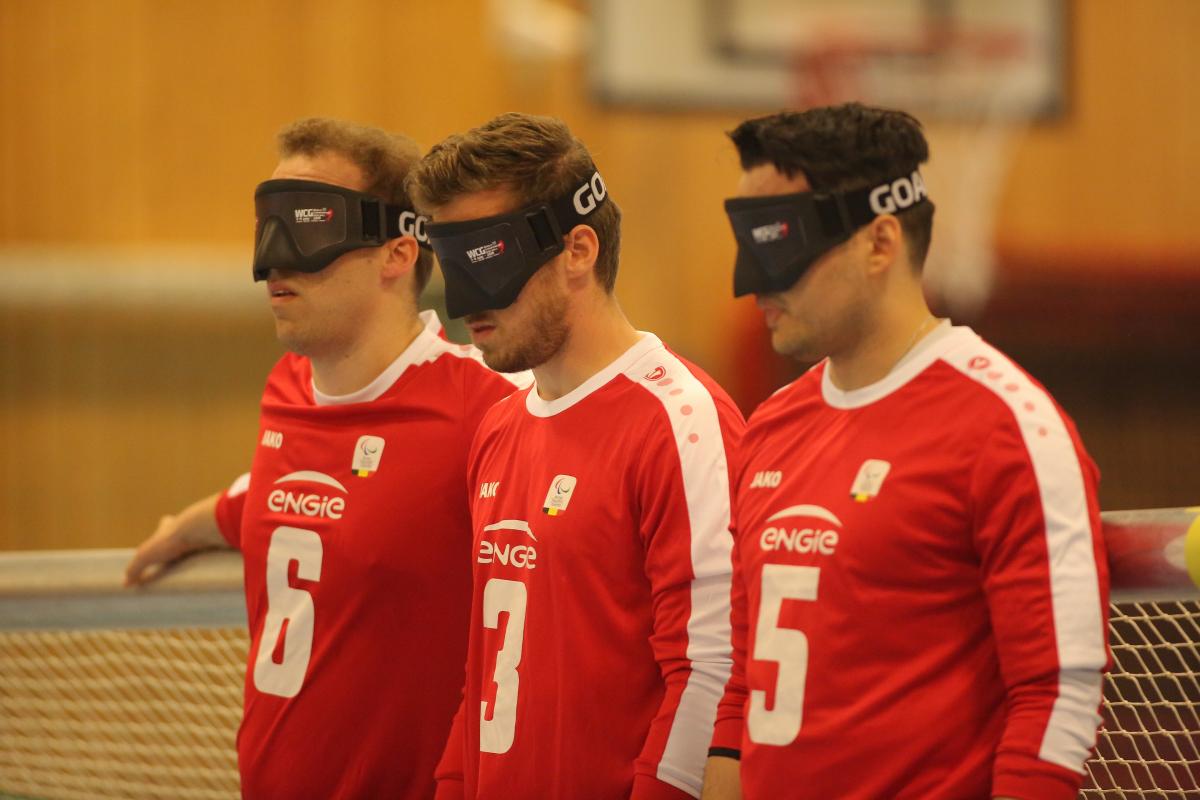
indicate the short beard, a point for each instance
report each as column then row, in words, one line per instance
column 536, row 340
column 834, row 336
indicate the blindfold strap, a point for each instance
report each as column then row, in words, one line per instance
column 397, row 221
column 841, row 213
column 550, row 225
column 576, row 206
column 545, row 228
column 845, row 212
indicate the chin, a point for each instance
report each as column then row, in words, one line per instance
column 503, row 362
column 793, row 347
column 291, row 339
column 783, row 344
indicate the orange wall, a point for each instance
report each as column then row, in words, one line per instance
column 144, row 121
column 1119, row 175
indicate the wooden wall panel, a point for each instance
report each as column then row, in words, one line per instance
column 1116, row 178
column 110, row 419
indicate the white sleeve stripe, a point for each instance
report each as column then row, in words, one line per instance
column 239, row 486
column 704, row 469
column 1074, row 584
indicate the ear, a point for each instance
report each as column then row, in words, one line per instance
column 885, row 243
column 400, row 256
column 581, row 251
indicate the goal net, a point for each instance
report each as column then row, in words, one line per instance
column 1149, row 745
column 111, row 693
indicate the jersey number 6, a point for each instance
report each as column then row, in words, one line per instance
column 290, row 605
column 780, row 725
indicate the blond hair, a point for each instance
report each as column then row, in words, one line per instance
column 386, row 159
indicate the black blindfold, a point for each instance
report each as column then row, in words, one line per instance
column 303, row 226
column 486, row 262
column 780, row 236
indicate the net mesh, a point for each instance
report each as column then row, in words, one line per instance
column 121, row 714
column 1149, row 746
column 151, row 714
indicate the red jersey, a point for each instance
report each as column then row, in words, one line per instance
column 354, row 529
column 599, row 640
column 920, row 586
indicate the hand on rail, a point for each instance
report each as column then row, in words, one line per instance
column 178, row 535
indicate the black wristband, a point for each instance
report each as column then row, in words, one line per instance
column 725, row 752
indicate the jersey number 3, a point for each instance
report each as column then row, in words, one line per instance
column 499, row 595
column 290, row 606
column 789, row 647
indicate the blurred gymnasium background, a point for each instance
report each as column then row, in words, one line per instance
column 133, row 344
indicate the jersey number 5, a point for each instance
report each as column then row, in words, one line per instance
column 286, row 604
column 496, row 734
column 789, row 647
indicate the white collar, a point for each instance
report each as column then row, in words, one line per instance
column 548, row 408
column 419, row 350
column 935, row 344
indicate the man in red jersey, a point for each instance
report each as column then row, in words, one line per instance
column 599, row 639
column 353, row 522
column 920, row 584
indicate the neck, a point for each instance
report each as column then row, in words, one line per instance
column 346, row 370
column 896, row 331
column 599, row 334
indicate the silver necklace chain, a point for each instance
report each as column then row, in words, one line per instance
column 912, row 340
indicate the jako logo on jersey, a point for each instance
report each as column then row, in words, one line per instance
column 507, row 553
column 488, row 489
column 979, row 362
column 801, row 540
column 559, row 495
column 772, row 232
column 656, row 374
column 869, row 480
column 314, row 214
column 272, row 439
column 588, row 196
column 898, row 195
column 486, row 251
column 766, row 480
column 310, row 505
column 368, row 452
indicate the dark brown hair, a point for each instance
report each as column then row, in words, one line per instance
column 844, row 147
